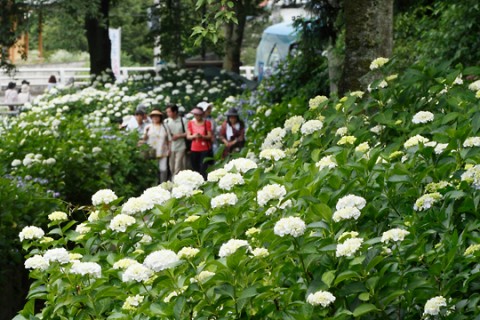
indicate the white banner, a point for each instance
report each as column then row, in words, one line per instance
column 115, row 39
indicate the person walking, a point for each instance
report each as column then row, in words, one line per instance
column 176, row 127
column 199, row 131
column 232, row 132
column 156, row 136
column 24, row 96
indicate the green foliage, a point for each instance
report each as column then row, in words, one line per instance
column 442, row 31
column 372, row 156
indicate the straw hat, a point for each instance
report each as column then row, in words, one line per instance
column 156, row 113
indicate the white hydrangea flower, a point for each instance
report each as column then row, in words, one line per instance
column 270, row 192
column 377, row 129
column 161, row 260
column 82, row 228
column 471, row 142
column 96, row 149
column 326, row 162
column 183, row 191
column 274, row 139
column 156, row 195
column 346, row 213
column 440, row 148
column 57, row 216
column 433, row 305
column 87, row 268
column 347, row 140
column 252, row 231
column 231, row 246
column 124, row 263
column 286, row 204
column 426, row 201
column 228, row 181
column 226, row 199
column 132, row 302
column 415, row 140
column 137, row 272
column 472, row 176
column 260, row 252
column 395, row 234
column 378, row 62
column 37, row 262
column 59, row 255
column 204, row 276
column 188, row 252
column 192, row 218
column 104, row 196
column 293, row 226
column 362, row 147
column 474, row 86
column 216, row 175
column 294, row 123
column 242, row 165
column 189, row 178
column 75, row 256
column 16, row 163
column 31, row 232
column 311, row 126
column 270, row 211
column 351, row 201
column 349, row 247
column 323, row 298
column 136, row 205
column 272, row 154
column 341, row 131
column 120, row 222
column 422, row 117
column 314, row 103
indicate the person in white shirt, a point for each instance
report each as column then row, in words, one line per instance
column 177, row 131
column 24, row 96
column 11, row 96
column 156, row 136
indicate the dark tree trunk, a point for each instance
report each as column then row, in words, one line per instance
column 368, row 35
column 234, row 39
column 99, row 45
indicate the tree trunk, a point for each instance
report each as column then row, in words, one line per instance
column 233, row 40
column 368, row 35
column 99, row 45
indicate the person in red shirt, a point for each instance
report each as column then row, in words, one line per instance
column 199, row 131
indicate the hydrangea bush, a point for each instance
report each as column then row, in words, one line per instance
column 370, row 228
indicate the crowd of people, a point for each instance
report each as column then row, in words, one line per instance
column 15, row 96
column 179, row 144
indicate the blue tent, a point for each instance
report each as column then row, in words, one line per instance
column 276, row 44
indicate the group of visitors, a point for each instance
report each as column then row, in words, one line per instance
column 15, row 97
column 180, row 144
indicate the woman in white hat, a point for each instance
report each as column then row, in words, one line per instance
column 199, row 131
column 156, row 136
column 232, row 132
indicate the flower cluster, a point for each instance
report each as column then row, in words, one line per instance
column 274, row 139
column 188, row 252
column 348, row 207
column 161, row 260
column 314, row 103
column 346, row 140
column 472, row 176
column 326, row 162
column 37, row 262
column 104, row 196
column 136, row 272
column 228, row 181
column 272, row 154
column 378, row 62
column 270, row 192
column 132, row 302
column 311, row 126
column 216, row 175
column 293, row 226
column 323, row 298
column 414, row 141
column 189, row 178
column 433, row 305
column 31, row 232
column 294, row 123
column 231, row 246
column 226, row 199
column 136, row 205
column 87, row 268
column 426, row 201
column 349, row 247
column 241, row 165
column 395, row 234
column 471, row 142
column 422, row 117
column 57, row 216
column 120, row 222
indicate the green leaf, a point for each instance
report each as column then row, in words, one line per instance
column 328, row 277
column 248, row 293
column 363, row 309
column 364, row 296
column 345, row 276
